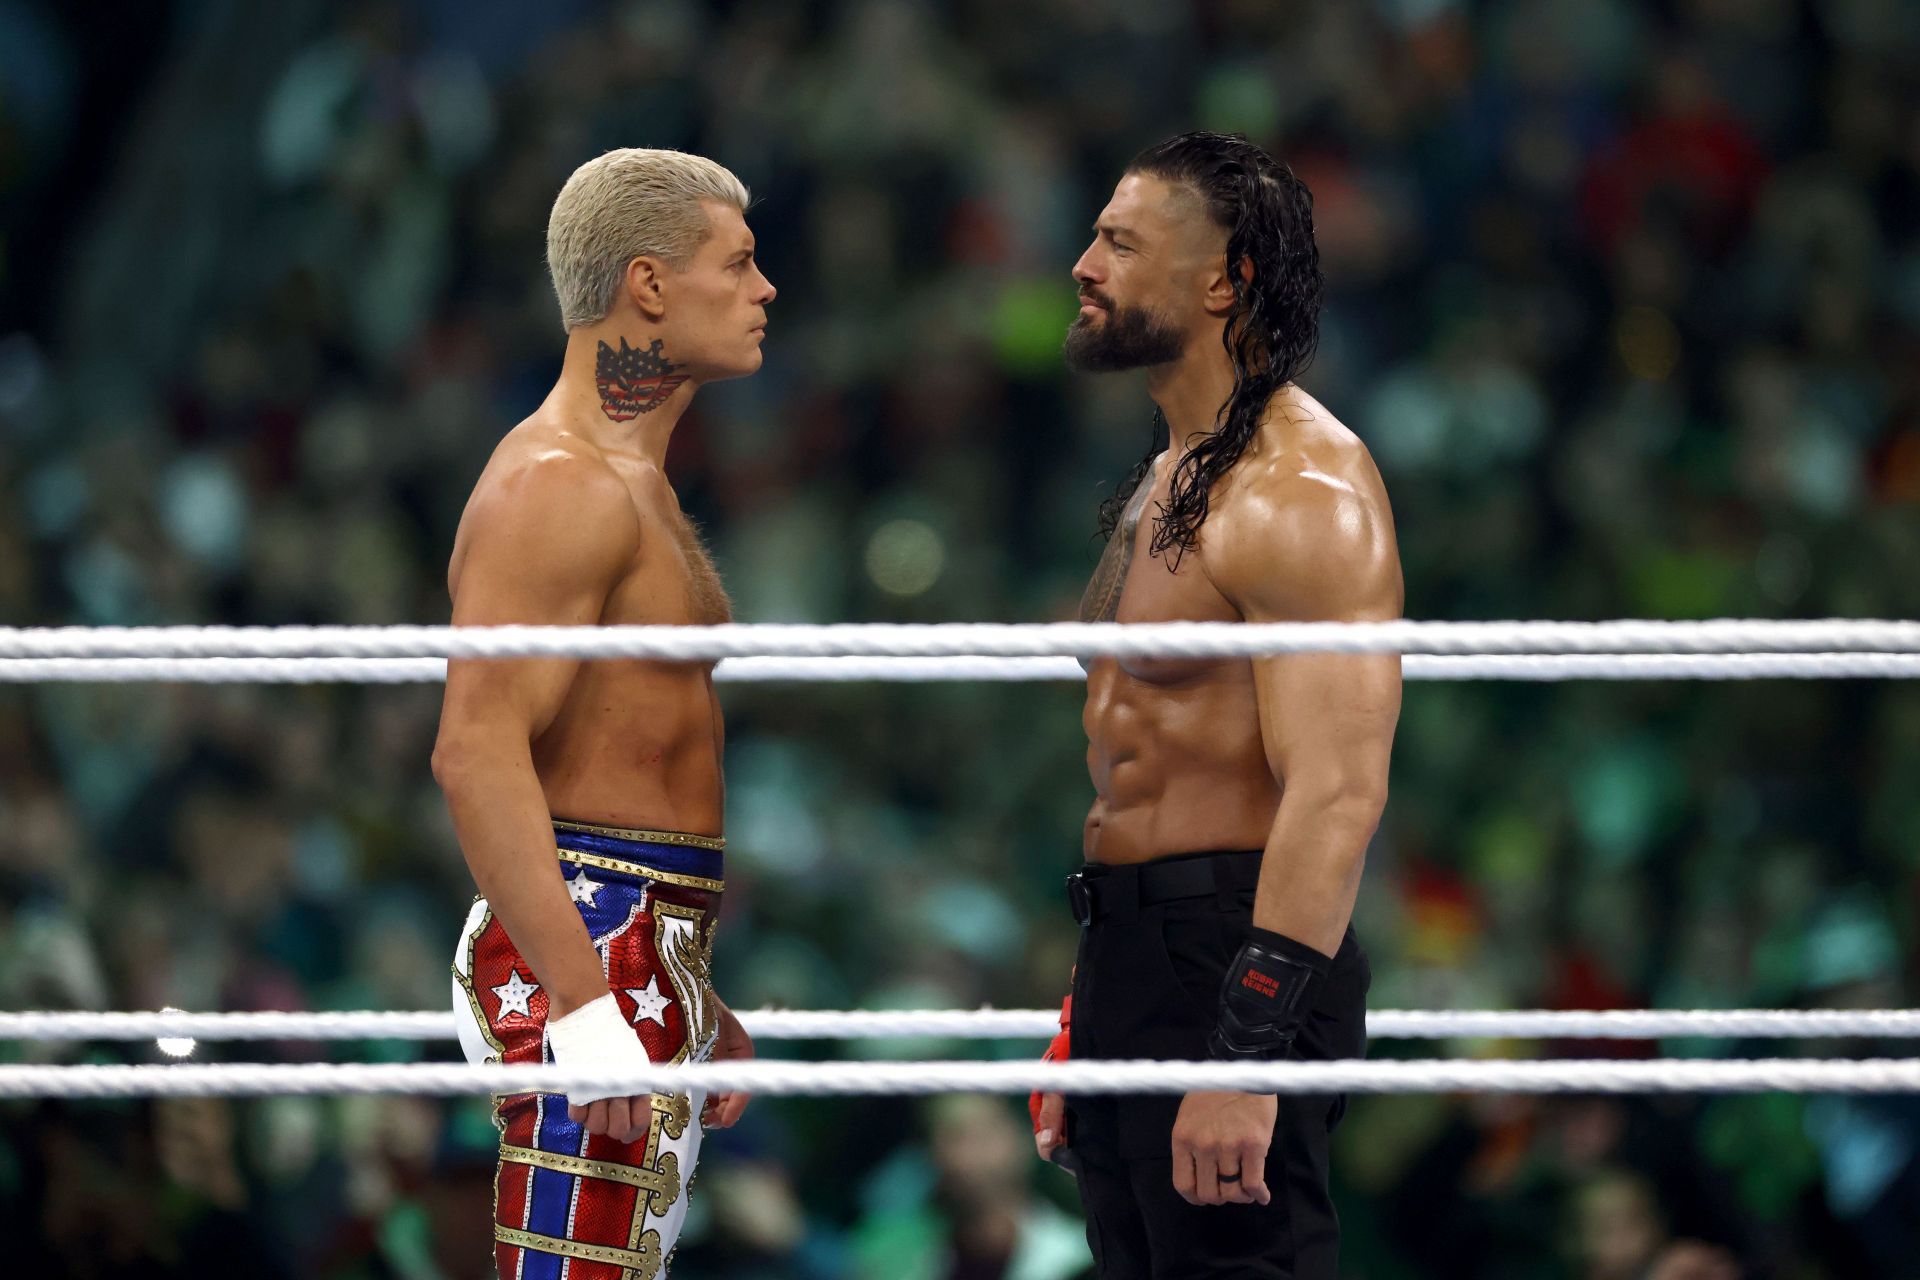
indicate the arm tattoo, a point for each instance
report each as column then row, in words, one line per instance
column 633, row 381
column 1101, row 603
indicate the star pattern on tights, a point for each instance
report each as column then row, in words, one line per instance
column 582, row 889
column 514, row 993
column 652, row 1004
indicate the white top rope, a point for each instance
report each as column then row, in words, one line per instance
column 994, row 1024
column 1533, row 667
column 846, row 1079
column 1063, row 639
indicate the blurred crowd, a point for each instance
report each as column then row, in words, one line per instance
column 1624, row 297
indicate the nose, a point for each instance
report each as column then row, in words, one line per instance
column 1084, row 271
column 767, row 292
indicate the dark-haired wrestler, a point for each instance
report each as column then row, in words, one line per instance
column 587, row 795
column 1234, row 800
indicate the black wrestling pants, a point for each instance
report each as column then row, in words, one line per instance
column 1155, row 944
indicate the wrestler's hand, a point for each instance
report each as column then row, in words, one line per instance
column 597, row 1036
column 622, row 1119
column 1049, row 1110
column 1228, row 1133
column 1050, row 1124
column 723, row 1109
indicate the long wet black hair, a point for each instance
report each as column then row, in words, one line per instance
column 1273, row 330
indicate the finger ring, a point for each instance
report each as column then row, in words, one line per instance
column 1229, row 1177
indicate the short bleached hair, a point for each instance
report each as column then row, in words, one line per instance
column 623, row 205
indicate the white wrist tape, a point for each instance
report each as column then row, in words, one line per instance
column 596, row 1036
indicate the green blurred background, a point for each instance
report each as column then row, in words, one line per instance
column 1623, row 296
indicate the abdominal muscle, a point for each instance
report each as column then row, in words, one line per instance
column 637, row 745
column 1177, row 762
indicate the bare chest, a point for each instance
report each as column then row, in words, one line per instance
column 1132, row 585
column 673, row 579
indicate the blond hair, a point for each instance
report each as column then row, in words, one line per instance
column 620, row 206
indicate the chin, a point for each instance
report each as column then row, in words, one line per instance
column 749, row 363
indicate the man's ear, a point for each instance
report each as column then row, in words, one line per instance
column 1218, row 299
column 643, row 283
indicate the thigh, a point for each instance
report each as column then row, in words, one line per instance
column 1303, row 1131
column 602, row 1208
column 498, row 1007
column 1216, row 1241
column 1115, row 1230
column 1297, row 1234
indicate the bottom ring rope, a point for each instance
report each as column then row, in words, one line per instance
column 859, row 1079
column 992, row 1024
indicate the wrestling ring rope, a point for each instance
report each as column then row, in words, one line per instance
column 1620, row 650
column 1539, row 667
column 970, row 639
column 845, row 1079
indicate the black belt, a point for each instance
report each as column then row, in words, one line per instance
column 1102, row 892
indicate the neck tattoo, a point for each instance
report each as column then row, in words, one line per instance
column 633, row 381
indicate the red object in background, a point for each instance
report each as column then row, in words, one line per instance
column 1444, row 916
column 1581, row 982
column 1895, row 468
column 1692, row 155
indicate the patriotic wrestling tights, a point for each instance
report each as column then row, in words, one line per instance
column 569, row 1205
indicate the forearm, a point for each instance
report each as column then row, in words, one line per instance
column 506, row 834
column 1310, row 874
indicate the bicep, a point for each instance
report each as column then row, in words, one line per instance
column 549, row 567
column 1327, row 719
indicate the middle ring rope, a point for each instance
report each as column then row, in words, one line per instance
column 853, row 1079
column 1060, row 639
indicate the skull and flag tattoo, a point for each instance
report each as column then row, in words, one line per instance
column 634, row 380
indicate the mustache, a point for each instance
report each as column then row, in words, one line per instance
column 1097, row 299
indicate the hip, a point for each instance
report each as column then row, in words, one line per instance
column 650, row 902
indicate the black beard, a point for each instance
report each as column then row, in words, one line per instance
column 1132, row 338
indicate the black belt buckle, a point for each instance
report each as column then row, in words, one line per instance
column 1080, row 898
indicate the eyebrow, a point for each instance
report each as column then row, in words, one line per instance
column 1113, row 230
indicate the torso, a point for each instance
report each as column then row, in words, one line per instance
column 636, row 744
column 1174, row 746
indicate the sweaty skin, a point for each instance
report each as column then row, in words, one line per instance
column 1286, row 754
column 629, row 744
column 1179, row 751
column 573, row 523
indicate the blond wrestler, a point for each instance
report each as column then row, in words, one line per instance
column 587, row 796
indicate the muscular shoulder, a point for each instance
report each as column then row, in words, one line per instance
column 1301, row 527
column 549, row 499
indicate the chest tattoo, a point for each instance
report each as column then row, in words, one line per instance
column 1101, row 603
